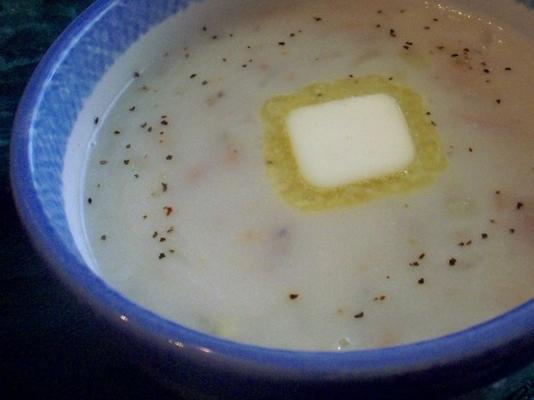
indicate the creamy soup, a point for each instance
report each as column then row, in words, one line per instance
column 183, row 218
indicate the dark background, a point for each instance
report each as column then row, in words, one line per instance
column 51, row 346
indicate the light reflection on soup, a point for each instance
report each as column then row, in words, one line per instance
column 183, row 219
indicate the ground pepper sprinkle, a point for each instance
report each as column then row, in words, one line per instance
column 168, row 210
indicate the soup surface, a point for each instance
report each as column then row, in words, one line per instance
column 183, row 219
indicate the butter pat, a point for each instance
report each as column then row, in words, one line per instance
column 354, row 139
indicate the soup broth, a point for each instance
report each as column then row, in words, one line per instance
column 183, row 218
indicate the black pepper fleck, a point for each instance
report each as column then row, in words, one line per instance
column 421, row 281
column 519, row 205
column 161, row 255
column 359, row 315
column 167, row 210
column 293, row 296
column 169, row 157
column 452, row 261
column 484, row 235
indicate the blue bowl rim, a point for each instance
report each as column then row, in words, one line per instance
column 513, row 330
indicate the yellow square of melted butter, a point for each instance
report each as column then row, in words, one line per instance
column 317, row 160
